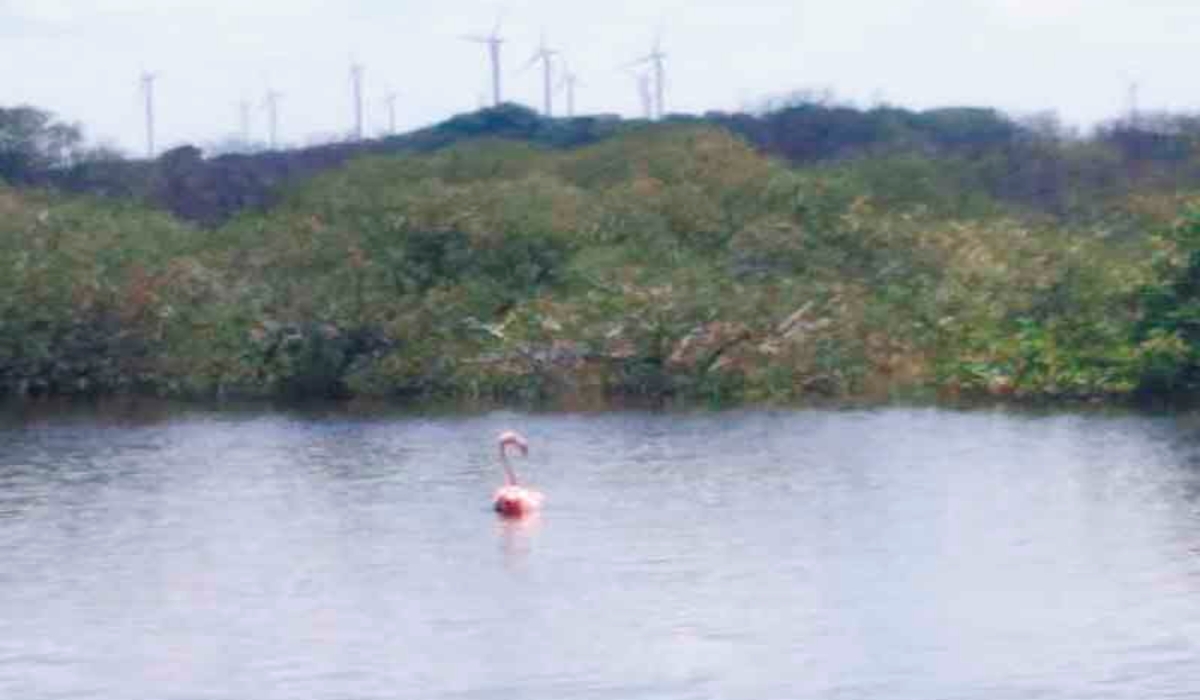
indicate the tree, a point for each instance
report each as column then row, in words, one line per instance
column 33, row 142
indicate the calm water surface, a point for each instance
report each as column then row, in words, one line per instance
column 897, row 553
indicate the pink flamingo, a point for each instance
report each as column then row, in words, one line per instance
column 511, row 499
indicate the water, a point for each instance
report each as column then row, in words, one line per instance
column 898, row 553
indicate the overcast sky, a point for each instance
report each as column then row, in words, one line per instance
column 82, row 58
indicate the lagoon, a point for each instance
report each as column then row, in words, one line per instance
column 326, row 554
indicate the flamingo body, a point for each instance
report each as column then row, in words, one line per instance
column 514, row 501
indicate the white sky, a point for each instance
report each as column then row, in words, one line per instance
column 82, row 58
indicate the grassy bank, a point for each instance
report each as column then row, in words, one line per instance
column 668, row 261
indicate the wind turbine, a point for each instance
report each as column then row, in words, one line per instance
column 655, row 58
column 569, row 82
column 271, row 102
column 1132, row 100
column 493, row 42
column 645, row 94
column 390, row 100
column 645, row 90
column 244, row 121
column 546, row 56
column 356, row 81
column 148, row 93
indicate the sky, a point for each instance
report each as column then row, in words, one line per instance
column 82, row 59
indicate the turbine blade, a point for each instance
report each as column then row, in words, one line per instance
column 537, row 56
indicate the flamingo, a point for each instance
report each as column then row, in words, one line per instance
column 513, row 500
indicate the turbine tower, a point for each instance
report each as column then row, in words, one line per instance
column 1132, row 99
column 356, row 81
column 272, row 105
column 645, row 94
column 546, row 56
column 244, row 121
column 390, row 100
column 493, row 42
column 148, row 93
column 569, row 82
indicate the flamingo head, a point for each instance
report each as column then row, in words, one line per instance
column 511, row 438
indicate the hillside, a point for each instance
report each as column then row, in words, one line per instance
column 953, row 158
column 209, row 191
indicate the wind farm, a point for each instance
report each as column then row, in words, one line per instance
column 451, row 58
column 544, row 79
column 499, row 64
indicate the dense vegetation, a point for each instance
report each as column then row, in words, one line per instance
column 675, row 259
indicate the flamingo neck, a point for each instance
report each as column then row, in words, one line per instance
column 510, row 476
